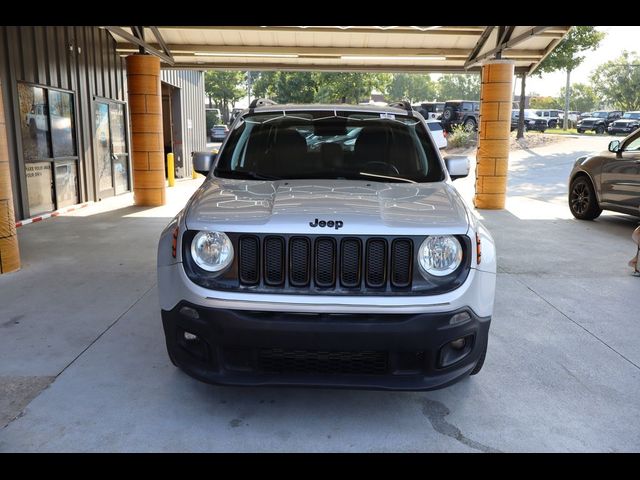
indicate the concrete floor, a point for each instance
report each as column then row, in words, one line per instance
column 84, row 368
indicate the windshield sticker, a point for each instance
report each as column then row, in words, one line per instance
column 388, row 115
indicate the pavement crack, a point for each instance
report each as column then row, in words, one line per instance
column 106, row 330
column 436, row 413
column 578, row 324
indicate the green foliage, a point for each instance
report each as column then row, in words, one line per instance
column 566, row 55
column 583, row 98
column 350, row 87
column 618, row 81
column 459, row 87
column 461, row 138
column 545, row 103
column 224, row 88
column 413, row 87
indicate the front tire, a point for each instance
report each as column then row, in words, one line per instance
column 469, row 125
column 599, row 130
column 582, row 199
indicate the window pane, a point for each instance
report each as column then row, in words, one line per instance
column 103, row 152
column 62, row 137
column 39, row 187
column 66, row 183
column 116, row 114
column 34, row 125
column 121, row 174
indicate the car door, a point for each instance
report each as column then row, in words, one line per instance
column 620, row 179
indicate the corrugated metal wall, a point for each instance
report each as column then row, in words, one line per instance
column 80, row 59
column 194, row 135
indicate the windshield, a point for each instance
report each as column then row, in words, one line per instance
column 631, row 115
column 330, row 145
column 599, row 114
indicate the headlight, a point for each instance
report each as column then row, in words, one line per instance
column 439, row 255
column 532, row 122
column 212, row 251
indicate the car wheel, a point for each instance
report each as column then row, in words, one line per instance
column 469, row 124
column 582, row 199
column 447, row 114
column 580, row 131
column 553, row 124
column 480, row 363
column 599, row 130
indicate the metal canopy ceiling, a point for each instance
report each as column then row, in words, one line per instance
column 341, row 48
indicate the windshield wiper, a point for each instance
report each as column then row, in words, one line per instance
column 386, row 176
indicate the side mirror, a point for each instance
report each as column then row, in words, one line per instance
column 458, row 167
column 203, row 161
column 614, row 146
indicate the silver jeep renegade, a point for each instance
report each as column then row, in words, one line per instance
column 327, row 246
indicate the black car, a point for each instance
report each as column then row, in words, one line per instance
column 629, row 122
column 531, row 121
column 461, row 112
column 598, row 122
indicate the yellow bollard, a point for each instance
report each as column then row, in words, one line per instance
column 171, row 171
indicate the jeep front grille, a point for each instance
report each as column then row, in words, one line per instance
column 324, row 262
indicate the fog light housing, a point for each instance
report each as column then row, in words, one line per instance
column 455, row 350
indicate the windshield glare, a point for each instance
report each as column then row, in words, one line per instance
column 329, row 145
column 599, row 114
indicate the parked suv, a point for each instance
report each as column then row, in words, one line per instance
column 461, row 112
column 629, row 122
column 598, row 122
column 341, row 267
column 553, row 117
column 430, row 110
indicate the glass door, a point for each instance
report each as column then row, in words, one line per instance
column 111, row 149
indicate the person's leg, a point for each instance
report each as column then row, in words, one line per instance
column 635, row 236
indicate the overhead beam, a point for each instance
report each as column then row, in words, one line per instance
column 163, row 45
column 181, row 50
column 511, row 43
column 133, row 39
column 480, row 43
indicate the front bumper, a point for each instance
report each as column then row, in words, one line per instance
column 624, row 130
column 371, row 351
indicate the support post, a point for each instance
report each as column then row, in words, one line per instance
column 9, row 252
column 145, row 103
column 494, row 134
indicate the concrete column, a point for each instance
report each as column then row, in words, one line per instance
column 494, row 134
column 145, row 105
column 9, row 253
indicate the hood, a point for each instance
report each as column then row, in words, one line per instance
column 626, row 121
column 295, row 206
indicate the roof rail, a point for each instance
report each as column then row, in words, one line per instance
column 404, row 104
column 261, row 102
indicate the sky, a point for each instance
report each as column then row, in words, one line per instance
column 617, row 39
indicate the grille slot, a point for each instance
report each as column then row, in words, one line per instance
column 274, row 261
column 299, row 261
column 249, row 260
column 325, row 262
column 401, row 262
column 376, row 263
column 276, row 360
column 350, row 262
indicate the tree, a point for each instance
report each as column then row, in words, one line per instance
column 459, row 87
column 350, row 87
column 545, row 103
column 412, row 87
column 287, row 87
column 566, row 56
column 224, row 88
column 618, row 81
column 583, row 98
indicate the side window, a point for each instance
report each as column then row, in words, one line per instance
column 466, row 107
column 476, row 107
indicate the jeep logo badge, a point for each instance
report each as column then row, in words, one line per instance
column 337, row 224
